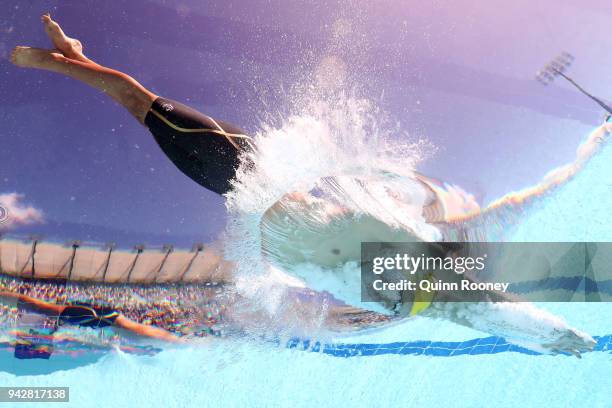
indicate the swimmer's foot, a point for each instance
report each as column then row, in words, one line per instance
column 28, row 57
column 70, row 47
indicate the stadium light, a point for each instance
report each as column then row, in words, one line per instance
column 558, row 68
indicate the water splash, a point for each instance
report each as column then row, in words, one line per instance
column 325, row 146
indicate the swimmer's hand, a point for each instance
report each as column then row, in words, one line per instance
column 571, row 341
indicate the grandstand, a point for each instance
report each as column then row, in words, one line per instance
column 33, row 257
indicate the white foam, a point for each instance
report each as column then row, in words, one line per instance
column 343, row 137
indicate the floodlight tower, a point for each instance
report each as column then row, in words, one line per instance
column 558, row 68
column 110, row 246
column 139, row 249
column 76, row 244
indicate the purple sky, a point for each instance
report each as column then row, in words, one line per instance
column 459, row 73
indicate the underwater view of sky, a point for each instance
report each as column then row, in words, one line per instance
column 459, row 74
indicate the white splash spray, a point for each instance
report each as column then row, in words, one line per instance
column 341, row 137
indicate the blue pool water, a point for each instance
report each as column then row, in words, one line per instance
column 415, row 363
column 234, row 373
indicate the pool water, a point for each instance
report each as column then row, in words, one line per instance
column 236, row 373
column 344, row 371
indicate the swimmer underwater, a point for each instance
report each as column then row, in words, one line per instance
column 208, row 151
column 85, row 316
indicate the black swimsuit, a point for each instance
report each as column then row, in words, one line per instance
column 205, row 149
column 88, row 316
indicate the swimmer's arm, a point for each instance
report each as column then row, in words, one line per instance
column 510, row 203
column 145, row 330
column 507, row 316
column 31, row 304
column 562, row 174
column 517, row 322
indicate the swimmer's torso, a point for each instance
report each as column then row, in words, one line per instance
column 297, row 230
column 302, row 227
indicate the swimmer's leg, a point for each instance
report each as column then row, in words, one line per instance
column 121, row 87
column 204, row 149
column 145, row 330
